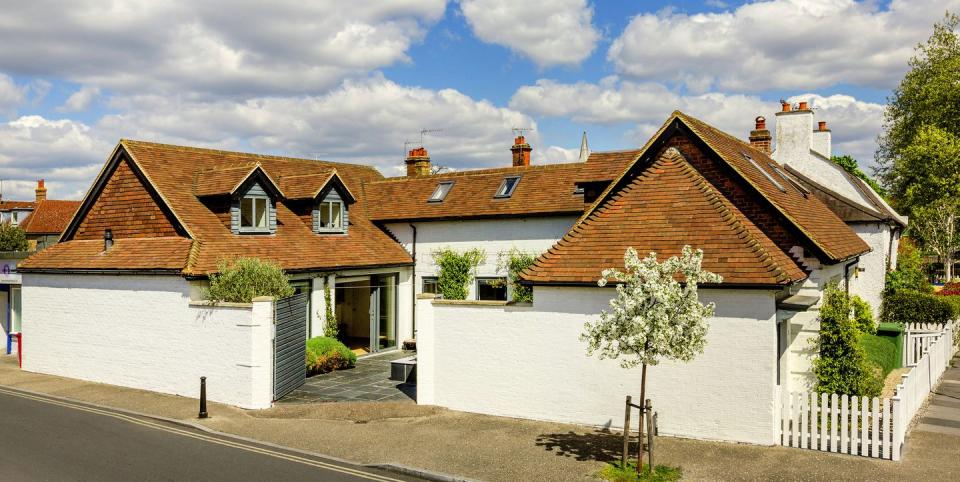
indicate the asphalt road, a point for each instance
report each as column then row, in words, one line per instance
column 48, row 439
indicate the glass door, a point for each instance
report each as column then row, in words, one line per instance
column 383, row 312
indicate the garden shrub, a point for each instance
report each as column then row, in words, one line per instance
column 325, row 354
column 12, row 238
column 514, row 262
column 881, row 351
column 863, row 315
column 456, row 271
column 842, row 366
column 950, row 289
column 913, row 307
column 909, row 275
column 244, row 279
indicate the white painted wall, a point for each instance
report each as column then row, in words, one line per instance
column 404, row 298
column 868, row 283
column 142, row 332
column 534, row 235
column 528, row 362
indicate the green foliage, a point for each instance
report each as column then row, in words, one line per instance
column 882, row 352
column 662, row 473
column 244, row 279
column 842, row 366
column 912, row 307
column 909, row 275
column 922, row 119
column 12, row 238
column 849, row 164
column 862, row 315
column 514, row 262
column 330, row 327
column 456, row 271
column 325, row 354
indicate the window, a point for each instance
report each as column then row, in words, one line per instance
column 440, row 192
column 15, row 312
column 254, row 214
column 492, row 289
column 5, row 217
column 429, row 285
column 507, row 186
column 790, row 180
column 765, row 173
column 331, row 216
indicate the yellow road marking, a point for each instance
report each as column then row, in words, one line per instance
column 206, row 438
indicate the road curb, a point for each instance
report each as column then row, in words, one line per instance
column 389, row 467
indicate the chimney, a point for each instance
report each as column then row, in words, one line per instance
column 41, row 191
column 794, row 135
column 760, row 136
column 521, row 152
column 418, row 162
column 821, row 139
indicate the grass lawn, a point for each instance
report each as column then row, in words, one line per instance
column 882, row 351
column 616, row 473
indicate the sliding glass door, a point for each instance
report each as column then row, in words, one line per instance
column 383, row 312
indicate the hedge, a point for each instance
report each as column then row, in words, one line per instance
column 912, row 307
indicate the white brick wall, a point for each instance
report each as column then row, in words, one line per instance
column 142, row 332
column 528, row 362
column 868, row 284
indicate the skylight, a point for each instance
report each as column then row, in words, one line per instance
column 765, row 173
column 440, row 192
column 789, row 179
column 507, row 187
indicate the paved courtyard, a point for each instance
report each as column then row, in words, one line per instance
column 368, row 381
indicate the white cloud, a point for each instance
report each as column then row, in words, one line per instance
column 778, row 44
column 11, row 95
column 556, row 32
column 644, row 107
column 211, row 49
column 81, row 99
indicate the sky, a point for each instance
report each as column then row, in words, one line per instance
column 357, row 81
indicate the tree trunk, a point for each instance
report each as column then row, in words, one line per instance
column 643, row 396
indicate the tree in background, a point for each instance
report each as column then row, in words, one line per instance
column 909, row 275
column 654, row 316
column 12, row 238
column 936, row 226
column 849, row 164
column 244, row 279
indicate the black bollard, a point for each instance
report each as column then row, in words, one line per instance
column 203, row 398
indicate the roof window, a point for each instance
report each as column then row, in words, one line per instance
column 440, row 192
column 507, row 187
column 796, row 185
column 765, row 173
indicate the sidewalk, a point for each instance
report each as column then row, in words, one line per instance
column 495, row 448
column 943, row 413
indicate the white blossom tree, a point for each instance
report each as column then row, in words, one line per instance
column 656, row 315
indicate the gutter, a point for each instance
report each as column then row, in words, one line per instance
column 116, row 272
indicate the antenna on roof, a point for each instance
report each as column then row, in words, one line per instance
column 520, row 130
column 424, row 132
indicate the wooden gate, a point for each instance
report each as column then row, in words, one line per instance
column 290, row 344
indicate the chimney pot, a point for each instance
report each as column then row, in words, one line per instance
column 41, row 191
column 785, row 107
column 822, row 126
column 760, row 137
column 803, row 106
column 761, row 123
column 418, row 162
column 521, row 152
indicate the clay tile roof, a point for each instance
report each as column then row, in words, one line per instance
column 8, row 205
column 225, row 180
column 668, row 205
column 809, row 215
column 543, row 190
column 50, row 216
column 309, row 186
column 171, row 170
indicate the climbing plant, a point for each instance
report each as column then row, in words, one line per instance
column 514, row 262
column 330, row 328
column 456, row 271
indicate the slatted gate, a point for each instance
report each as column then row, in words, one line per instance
column 290, row 344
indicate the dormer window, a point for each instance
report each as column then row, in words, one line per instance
column 507, row 187
column 331, row 216
column 254, row 214
column 440, row 192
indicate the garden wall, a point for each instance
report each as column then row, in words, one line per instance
column 143, row 332
column 528, row 362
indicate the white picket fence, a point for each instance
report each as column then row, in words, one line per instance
column 869, row 427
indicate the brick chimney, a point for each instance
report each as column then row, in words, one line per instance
column 41, row 191
column 521, row 152
column 418, row 162
column 760, row 136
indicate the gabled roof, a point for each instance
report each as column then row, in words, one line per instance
column 547, row 189
column 666, row 206
column 50, row 216
column 228, row 180
column 311, row 186
column 660, row 203
column 169, row 172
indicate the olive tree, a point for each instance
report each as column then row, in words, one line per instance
column 656, row 314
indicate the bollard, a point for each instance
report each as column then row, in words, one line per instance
column 203, row 398
column 626, row 435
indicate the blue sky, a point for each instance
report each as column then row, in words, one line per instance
column 352, row 81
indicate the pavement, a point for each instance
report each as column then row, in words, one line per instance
column 481, row 447
column 50, row 439
column 943, row 413
column 368, row 381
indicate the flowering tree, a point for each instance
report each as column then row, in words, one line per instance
column 656, row 315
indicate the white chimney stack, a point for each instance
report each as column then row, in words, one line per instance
column 821, row 140
column 794, row 135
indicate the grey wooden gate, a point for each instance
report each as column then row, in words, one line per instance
column 290, row 344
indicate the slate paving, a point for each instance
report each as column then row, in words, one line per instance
column 943, row 413
column 368, row 381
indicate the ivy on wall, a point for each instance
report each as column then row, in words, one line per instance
column 456, row 271
column 514, row 262
column 330, row 328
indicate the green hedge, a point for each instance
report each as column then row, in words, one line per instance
column 913, row 307
column 325, row 354
column 882, row 351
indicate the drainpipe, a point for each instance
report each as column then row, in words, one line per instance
column 846, row 275
column 413, row 281
column 893, row 232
